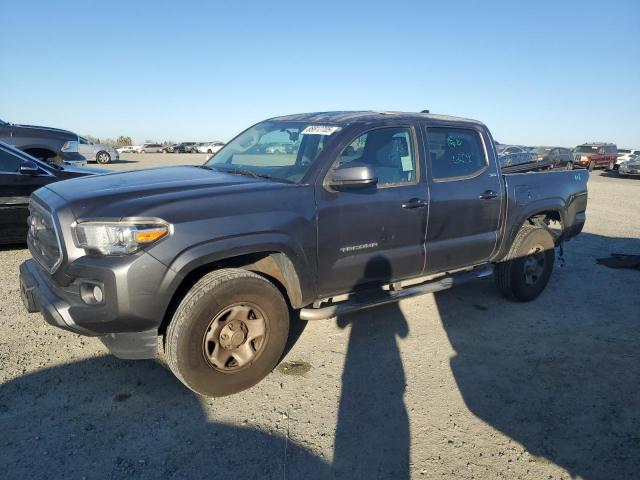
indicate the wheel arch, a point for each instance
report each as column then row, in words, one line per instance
column 542, row 215
column 274, row 265
column 36, row 150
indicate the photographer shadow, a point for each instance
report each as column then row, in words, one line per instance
column 372, row 435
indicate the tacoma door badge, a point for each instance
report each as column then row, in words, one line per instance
column 354, row 248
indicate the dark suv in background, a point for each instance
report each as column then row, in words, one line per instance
column 185, row 147
column 52, row 145
column 595, row 155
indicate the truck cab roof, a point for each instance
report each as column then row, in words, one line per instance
column 371, row 116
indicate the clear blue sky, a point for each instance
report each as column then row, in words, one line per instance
column 543, row 72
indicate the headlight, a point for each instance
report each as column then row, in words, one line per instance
column 118, row 238
column 70, row 146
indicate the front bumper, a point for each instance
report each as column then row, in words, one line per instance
column 580, row 163
column 72, row 157
column 128, row 320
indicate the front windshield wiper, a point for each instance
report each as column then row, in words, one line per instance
column 247, row 173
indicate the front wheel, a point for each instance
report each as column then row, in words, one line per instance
column 228, row 332
column 611, row 165
column 592, row 165
column 103, row 157
column 569, row 166
column 526, row 269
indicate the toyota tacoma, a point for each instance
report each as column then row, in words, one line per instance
column 356, row 210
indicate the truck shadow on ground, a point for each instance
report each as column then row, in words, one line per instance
column 561, row 376
column 107, row 418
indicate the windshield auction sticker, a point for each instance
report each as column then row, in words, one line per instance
column 319, row 130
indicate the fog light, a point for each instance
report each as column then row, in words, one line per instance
column 97, row 294
column 91, row 293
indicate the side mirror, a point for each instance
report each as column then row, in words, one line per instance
column 29, row 168
column 353, row 175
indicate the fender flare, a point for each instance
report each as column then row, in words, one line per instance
column 529, row 210
column 271, row 253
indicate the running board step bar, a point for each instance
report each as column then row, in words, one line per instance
column 362, row 303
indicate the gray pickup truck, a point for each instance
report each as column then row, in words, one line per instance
column 319, row 214
column 51, row 145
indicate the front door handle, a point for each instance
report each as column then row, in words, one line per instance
column 488, row 195
column 415, row 203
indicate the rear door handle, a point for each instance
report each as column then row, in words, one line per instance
column 488, row 195
column 415, row 203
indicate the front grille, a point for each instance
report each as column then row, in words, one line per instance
column 43, row 238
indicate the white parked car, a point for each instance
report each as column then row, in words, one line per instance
column 126, row 149
column 149, row 148
column 211, row 147
column 625, row 154
column 97, row 152
column 630, row 167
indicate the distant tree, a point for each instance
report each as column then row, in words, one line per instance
column 123, row 141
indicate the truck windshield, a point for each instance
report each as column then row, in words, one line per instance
column 587, row 149
column 276, row 149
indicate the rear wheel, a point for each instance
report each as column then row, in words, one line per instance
column 228, row 332
column 103, row 157
column 525, row 271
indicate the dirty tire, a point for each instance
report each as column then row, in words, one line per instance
column 592, row 165
column 210, row 297
column 510, row 274
column 569, row 166
column 103, row 157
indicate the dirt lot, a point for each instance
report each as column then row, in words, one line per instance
column 463, row 384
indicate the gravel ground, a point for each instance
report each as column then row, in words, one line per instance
column 462, row 384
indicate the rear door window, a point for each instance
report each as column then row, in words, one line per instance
column 455, row 153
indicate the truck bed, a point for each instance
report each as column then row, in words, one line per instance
column 536, row 192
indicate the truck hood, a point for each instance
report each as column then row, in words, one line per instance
column 139, row 192
column 49, row 132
